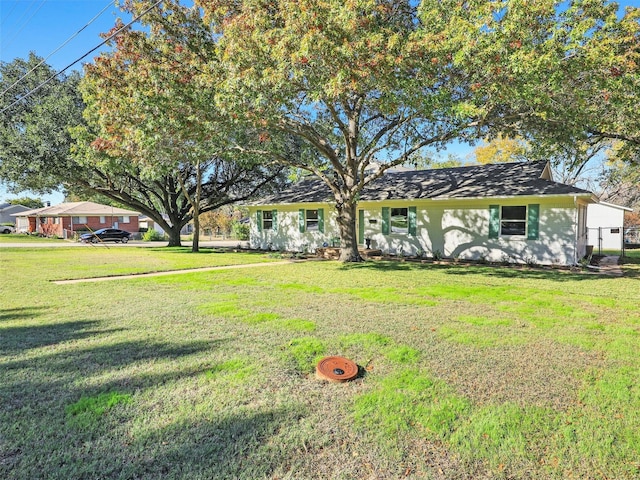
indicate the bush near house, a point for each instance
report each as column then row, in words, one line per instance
column 152, row 235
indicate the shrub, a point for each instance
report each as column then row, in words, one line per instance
column 152, row 235
column 240, row 230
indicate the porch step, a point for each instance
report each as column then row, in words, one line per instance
column 333, row 253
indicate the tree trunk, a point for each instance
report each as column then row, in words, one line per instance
column 195, row 247
column 348, row 233
column 174, row 236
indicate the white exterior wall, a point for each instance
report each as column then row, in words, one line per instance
column 457, row 229
column 602, row 218
column 287, row 235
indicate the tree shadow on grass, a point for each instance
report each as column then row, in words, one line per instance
column 18, row 339
column 231, row 446
column 377, row 265
column 21, row 313
column 45, row 381
column 209, row 444
column 95, row 359
column 502, row 271
column 535, row 273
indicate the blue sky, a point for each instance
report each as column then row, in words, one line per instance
column 44, row 25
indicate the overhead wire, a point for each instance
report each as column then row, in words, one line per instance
column 35, row 89
column 58, row 49
column 15, row 35
column 6, row 17
column 24, row 12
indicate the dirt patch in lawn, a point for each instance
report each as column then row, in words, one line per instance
column 543, row 373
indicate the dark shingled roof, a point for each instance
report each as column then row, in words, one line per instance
column 478, row 181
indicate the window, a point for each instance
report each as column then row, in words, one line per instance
column 399, row 220
column 267, row 220
column 513, row 220
column 103, row 220
column 312, row 220
column 124, row 219
column 79, row 220
column 520, row 220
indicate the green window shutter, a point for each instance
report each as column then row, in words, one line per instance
column 360, row 226
column 386, row 220
column 413, row 221
column 301, row 224
column 259, row 219
column 494, row 221
column 274, row 219
column 321, row 220
column 533, row 221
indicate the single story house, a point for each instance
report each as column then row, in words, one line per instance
column 9, row 209
column 605, row 225
column 65, row 219
column 511, row 212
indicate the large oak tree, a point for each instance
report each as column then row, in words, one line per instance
column 151, row 104
column 362, row 80
column 351, row 82
column 34, row 135
column 45, row 145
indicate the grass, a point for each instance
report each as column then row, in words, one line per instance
column 466, row 371
column 631, row 257
column 104, row 262
column 23, row 238
column 87, row 411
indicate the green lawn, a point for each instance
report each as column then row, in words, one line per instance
column 24, row 238
column 467, row 372
column 100, row 261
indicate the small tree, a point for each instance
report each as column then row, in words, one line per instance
column 219, row 220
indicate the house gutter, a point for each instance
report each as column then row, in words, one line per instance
column 588, row 196
column 576, row 219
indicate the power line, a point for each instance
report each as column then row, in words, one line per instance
column 31, row 92
column 57, row 49
column 9, row 42
column 15, row 4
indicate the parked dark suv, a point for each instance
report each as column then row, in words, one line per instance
column 106, row 235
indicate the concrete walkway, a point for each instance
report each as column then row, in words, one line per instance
column 169, row 272
column 608, row 266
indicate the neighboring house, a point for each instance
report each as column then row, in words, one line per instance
column 511, row 212
column 149, row 223
column 605, row 225
column 8, row 209
column 65, row 219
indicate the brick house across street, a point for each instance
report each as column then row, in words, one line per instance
column 67, row 219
